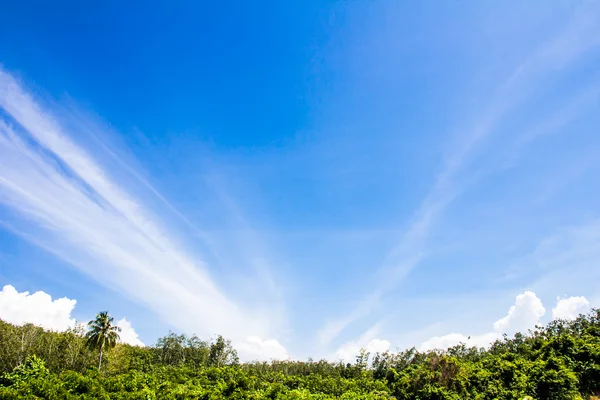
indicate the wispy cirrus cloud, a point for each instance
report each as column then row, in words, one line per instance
column 562, row 262
column 579, row 36
column 76, row 209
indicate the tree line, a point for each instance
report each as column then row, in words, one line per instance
column 558, row 361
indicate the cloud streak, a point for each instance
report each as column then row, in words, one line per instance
column 580, row 35
column 575, row 39
column 75, row 208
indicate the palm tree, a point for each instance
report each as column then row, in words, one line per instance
column 102, row 334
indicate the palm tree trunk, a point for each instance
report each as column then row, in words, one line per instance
column 100, row 362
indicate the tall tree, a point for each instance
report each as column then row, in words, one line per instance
column 102, row 334
column 222, row 353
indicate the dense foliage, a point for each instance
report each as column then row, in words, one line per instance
column 559, row 361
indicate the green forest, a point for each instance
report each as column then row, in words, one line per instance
column 558, row 361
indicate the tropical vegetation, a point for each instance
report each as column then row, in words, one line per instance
column 558, row 361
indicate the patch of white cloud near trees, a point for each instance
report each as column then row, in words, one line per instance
column 40, row 309
column 525, row 314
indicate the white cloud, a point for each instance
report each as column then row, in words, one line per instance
column 570, row 308
column 256, row 349
column 350, row 350
column 74, row 209
column 37, row 308
column 378, row 346
column 525, row 314
column 452, row 339
column 368, row 341
column 128, row 335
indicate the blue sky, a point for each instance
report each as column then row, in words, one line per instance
column 306, row 179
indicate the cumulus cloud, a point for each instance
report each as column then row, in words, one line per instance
column 378, row 346
column 452, row 339
column 525, row 314
column 570, row 308
column 350, row 350
column 368, row 341
column 128, row 335
column 256, row 349
column 37, row 308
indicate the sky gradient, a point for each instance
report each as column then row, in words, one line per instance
column 306, row 179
